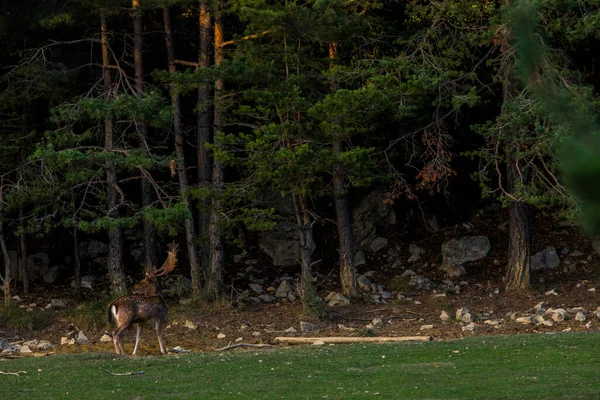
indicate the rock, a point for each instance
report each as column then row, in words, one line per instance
column 265, row 298
column 256, row 288
column 58, row 303
column 589, row 325
column 364, row 283
column 95, row 249
column 551, row 292
column 492, row 322
column 282, row 244
column 64, row 340
column 16, row 299
column 105, row 338
column 452, row 270
column 421, row 283
column 415, row 252
column 540, row 307
column 580, row 316
column 38, row 265
column 291, row 329
column 51, row 274
column 338, row 300
column 596, row 246
column 377, row 322
column 378, row 243
column 526, row 320
column 221, row 336
column 5, row 344
column 283, row 289
column 444, row 316
column 386, row 295
column 318, row 343
column 87, row 282
column 373, row 211
column 465, row 249
column 461, row 312
column 425, row 327
column 408, row 272
column 359, row 259
column 308, row 327
column 81, row 338
column 547, row 258
column 469, row 328
column 190, row 325
column 179, row 349
column 25, row 349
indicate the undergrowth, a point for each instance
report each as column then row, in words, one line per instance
column 14, row 317
column 91, row 315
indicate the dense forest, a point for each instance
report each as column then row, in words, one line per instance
column 196, row 120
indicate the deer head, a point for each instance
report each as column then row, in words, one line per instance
column 149, row 286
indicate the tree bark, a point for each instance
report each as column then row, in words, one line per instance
column 190, row 231
column 115, row 235
column 7, row 266
column 214, row 276
column 344, row 225
column 204, row 126
column 150, row 257
column 77, row 260
column 519, row 236
column 23, row 268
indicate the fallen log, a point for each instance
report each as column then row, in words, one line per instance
column 344, row 339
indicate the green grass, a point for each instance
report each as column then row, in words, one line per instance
column 501, row 367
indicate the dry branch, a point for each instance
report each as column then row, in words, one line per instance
column 233, row 346
column 123, row 374
column 13, row 373
column 343, row 339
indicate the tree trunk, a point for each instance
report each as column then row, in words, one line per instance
column 190, row 231
column 150, row 257
column 311, row 302
column 115, row 235
column 203, row 137
column 7, row 266
column 77, row 260
column 214, row 277
column 519, row 236
column 23, row 268
column 346, row 247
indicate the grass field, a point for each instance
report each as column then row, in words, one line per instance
column 565, row 365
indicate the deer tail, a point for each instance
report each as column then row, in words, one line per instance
column 110, row 313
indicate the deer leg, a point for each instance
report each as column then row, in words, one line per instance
column 138, row 336
column 159, row 335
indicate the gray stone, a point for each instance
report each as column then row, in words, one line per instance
column 265, row 298
column 105, row 338
column 282, row 244
column 44, row 345
column 373, row 211
column 81, row 338
column 338, row 299
column 58, row 303
column 465, row 249
column 359, row 259
column 284, row 288
column 421, row 283
column 469, row 328
column 444, row 316
column 256, row 288
column 378, row 243
column 51, row 275
column 580, row 316
column 452, row 270
column 415, row 252
column 461, row 312
column 87, row 282
column 364, row 283
column 38, row 265
column 547, row 258
column 25, row 349
column 96, row 249
column 308, row 327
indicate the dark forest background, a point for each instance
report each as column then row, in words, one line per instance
column 210, row 121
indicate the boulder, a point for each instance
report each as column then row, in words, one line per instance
column 373, row 211
column 282, row 244
column 465, row 249
column 547, row 258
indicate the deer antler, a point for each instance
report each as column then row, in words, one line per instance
column 170, row 263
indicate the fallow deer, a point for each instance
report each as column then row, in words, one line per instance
column 146, row 305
